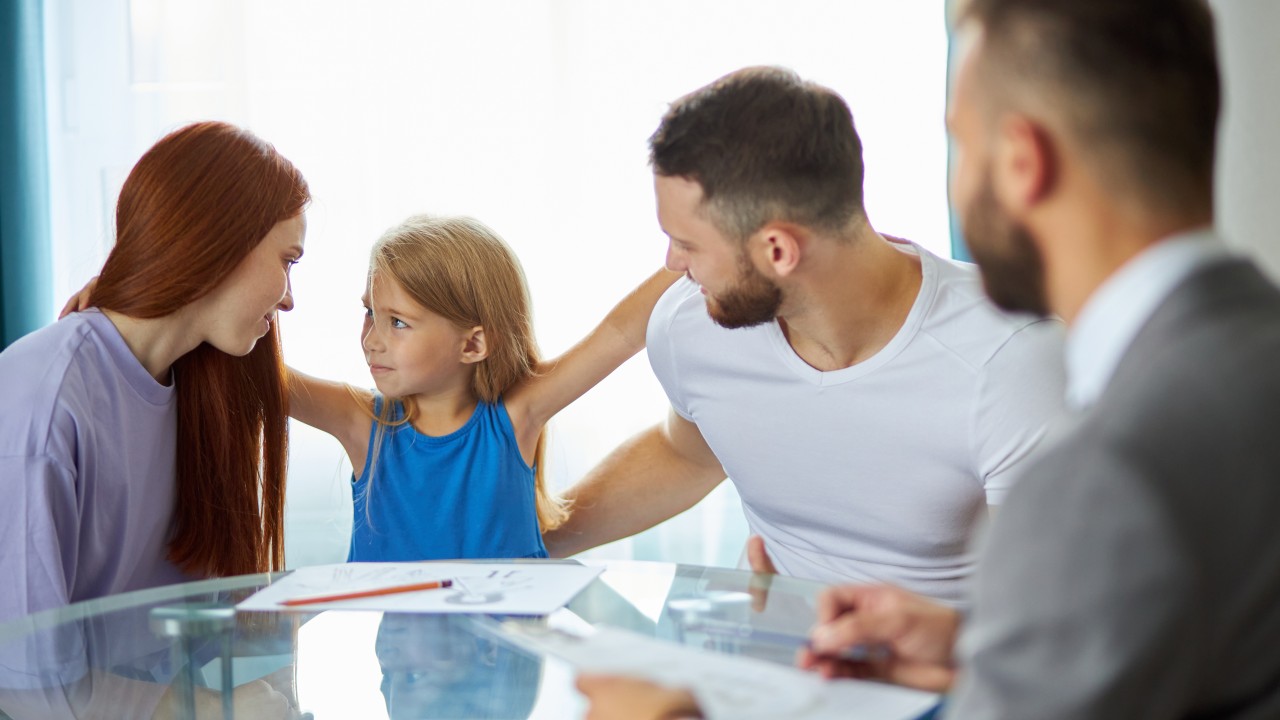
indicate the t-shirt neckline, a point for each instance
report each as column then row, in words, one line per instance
column 126, row 362
column 910, row 326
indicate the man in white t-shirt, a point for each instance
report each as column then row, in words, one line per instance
column 864, row 396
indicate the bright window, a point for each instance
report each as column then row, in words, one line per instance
column 531, row 115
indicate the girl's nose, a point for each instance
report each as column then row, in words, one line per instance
column 371, row 341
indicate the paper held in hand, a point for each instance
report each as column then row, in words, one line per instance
column 726, row 686
column 489, row 588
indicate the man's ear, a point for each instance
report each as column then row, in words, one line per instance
column 1026, row 163
column 474, row 346
column 776, row 248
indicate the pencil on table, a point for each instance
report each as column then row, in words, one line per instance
column 433, row 585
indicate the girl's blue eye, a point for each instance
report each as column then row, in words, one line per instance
column 398, row 323
column 368, row 312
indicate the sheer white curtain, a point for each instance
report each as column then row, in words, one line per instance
column 531, row 115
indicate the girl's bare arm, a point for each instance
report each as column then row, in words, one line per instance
column 564, row 379
column 336, row 408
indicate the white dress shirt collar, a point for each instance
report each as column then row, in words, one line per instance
column 1118, row 309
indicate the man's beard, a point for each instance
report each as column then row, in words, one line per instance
column 755, row 299
column 1011, row 265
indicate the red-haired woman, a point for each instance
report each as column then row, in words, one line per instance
column 143, row 441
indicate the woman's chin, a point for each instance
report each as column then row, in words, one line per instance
column 238, row 348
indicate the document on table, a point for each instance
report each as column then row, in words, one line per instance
column 488, row 588
column 727, row 686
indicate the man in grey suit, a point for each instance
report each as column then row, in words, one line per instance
column 1134, row 572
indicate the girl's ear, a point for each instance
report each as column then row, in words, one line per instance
column 474, row 346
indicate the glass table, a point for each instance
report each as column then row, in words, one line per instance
column 184, row 651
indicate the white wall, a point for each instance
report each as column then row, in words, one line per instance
column 1248, row 193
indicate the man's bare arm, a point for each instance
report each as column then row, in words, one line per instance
column 654, row 476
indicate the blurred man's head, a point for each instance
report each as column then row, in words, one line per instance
column 1124, row 93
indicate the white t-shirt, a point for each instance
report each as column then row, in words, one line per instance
column 876, row 472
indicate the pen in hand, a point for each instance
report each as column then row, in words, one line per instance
column 433, row 585
column 746, row 633
column 858, row 652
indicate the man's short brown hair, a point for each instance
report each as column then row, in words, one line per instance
column 765, row 146
column 1136, row 83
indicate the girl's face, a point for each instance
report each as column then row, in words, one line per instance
column 410, row 350
column 240, row 310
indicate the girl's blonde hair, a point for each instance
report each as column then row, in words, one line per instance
column 461, row 270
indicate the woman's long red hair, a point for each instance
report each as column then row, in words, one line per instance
column 193, row 207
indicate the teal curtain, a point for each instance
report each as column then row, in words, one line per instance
column 25, row 257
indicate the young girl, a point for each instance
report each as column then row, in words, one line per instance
column 448, row 453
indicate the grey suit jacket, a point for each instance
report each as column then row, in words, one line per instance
column 1134, row 571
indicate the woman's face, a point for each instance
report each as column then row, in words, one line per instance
column 239, row 312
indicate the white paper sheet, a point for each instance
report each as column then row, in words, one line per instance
column 726, row 686
column 489, row 588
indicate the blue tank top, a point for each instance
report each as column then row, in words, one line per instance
column 468, row 494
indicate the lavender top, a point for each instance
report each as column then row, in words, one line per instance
column 87, row 450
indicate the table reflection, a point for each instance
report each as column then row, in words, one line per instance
column 129, row 656
column 438, row 666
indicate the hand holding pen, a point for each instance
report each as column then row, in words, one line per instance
column 918, row 636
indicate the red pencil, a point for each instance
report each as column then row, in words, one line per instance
column 434, row 584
